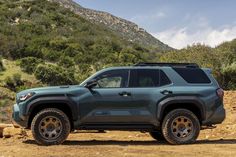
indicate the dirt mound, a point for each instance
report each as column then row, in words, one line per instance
column 2, row 127
column 8, row 130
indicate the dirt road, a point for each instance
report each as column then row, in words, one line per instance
column 219, row 142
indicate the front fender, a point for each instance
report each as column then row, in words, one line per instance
column 55, row 100
column 161, row 106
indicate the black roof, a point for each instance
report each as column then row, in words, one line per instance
column 181, row 65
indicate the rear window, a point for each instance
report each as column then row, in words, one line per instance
column 193, row 75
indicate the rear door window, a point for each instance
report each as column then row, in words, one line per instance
column 164, row 80
column 148, row 78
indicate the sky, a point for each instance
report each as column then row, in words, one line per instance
column 178, row 23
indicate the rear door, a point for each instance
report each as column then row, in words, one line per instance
column 148, row 87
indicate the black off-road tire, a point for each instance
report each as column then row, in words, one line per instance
column 60, row 116
column 169, row 122
column 157, row 135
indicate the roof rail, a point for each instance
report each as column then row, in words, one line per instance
column 181, row 65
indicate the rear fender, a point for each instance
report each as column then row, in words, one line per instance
column 171, row 101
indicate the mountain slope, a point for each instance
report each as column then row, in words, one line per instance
column 64, row 43
column 126, row 29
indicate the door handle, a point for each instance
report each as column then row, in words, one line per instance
column 125, row 94
column 166, row 92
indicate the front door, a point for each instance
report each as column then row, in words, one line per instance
column 112, row 99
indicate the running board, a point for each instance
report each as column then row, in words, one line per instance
column 125, row 127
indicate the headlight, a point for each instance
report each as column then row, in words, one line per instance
column 26, row 96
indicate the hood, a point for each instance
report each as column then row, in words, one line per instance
column 49, row 90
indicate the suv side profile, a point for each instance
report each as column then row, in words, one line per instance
column 171, row 101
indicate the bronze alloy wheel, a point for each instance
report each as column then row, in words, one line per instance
column 50, row 127
column 182, row 127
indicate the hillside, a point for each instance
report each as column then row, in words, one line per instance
column 126, row 29
column 46, row 31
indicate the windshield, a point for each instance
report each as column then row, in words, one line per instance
column 89, row 78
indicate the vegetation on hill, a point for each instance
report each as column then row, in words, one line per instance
column 42, row 32
column 221, row 59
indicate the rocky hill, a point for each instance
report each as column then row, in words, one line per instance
column 126, row 29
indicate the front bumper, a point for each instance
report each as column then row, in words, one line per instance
column 217, row 117
column 18, row 118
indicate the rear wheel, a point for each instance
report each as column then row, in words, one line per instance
column 50, row 126
column 180, row 126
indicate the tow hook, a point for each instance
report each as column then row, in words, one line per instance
column 208, row 127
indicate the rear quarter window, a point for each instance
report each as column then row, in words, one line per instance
column 193, row 75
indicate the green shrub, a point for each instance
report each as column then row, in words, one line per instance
column 29, row 64
column 229, row 76
column 17, row 79
column 9, row 83
column 54, row 75
column 2, row 68
column 13, row 82
column 51, row 55
column 66, row 62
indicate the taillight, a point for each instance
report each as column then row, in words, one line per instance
column 220, row 93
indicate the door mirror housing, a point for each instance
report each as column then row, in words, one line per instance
column 90, row 84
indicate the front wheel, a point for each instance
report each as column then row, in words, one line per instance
column 180, row 126
column 50, row 127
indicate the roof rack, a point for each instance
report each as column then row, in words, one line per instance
column 180, row 65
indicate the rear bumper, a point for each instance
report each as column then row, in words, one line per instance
column 17, row 118
column 217, row 117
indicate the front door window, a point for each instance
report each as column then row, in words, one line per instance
column 113, row 79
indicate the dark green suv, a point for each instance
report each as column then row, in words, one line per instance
column 171, row 101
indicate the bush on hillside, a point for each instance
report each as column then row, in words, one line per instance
column 13, row 82
column 2, row 68
column 229, row 76
column 54, row 75
column 29, row 64
column 66, row 62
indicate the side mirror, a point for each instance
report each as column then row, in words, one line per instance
column 90, row 84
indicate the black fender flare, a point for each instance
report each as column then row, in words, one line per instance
column 56, row 100
column 161, row 106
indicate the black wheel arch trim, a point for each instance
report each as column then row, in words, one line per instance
column 161, row 106
column 56, row 100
